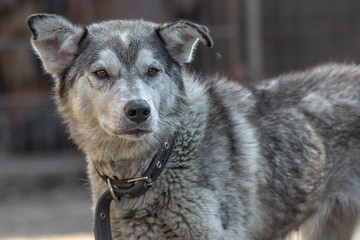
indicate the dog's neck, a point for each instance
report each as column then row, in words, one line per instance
column 116, row 156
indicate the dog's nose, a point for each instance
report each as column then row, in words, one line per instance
column 137, row 110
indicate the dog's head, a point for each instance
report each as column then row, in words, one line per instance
column 122, row 77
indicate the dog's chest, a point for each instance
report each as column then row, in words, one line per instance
column 168, row 217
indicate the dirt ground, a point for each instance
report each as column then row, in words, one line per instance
column 59, row 216
column 44, row 197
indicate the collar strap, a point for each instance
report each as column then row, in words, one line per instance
column 135, row 187
column 129, row 187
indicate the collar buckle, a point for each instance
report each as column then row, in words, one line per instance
column 147, row 184
column 112, row 193
column 131, row 180
column 147, row 181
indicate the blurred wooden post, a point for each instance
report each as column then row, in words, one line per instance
column 233, row 19
column 254, row 45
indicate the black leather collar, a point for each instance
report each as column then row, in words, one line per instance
column 129, row 188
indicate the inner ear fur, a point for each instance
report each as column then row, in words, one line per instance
column 181, row 38
column 55, row 39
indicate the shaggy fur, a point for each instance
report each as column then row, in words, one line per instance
column 253, row 162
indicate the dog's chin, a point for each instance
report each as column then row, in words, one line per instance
column 135, row 134
column 128, row 134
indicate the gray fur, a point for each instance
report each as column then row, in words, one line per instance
column 256, row 162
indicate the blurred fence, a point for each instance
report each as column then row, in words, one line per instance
column 299, row 34
column 29, row 122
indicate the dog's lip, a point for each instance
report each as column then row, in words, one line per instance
column 136, row 132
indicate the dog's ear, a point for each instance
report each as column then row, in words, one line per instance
column 182, row 37
column 55, row 39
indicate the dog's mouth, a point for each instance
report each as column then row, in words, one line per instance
column 130, row 132
column 137, row 133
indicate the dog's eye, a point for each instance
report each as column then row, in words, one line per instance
column 101, row 73
column 152, row 71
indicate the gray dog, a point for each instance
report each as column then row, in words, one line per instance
column 191, row 158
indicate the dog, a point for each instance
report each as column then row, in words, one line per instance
column 242, row 162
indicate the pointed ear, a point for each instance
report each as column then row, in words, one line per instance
column 182, row 37
column 55, row 40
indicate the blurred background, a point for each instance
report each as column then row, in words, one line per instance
column 44, row 192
